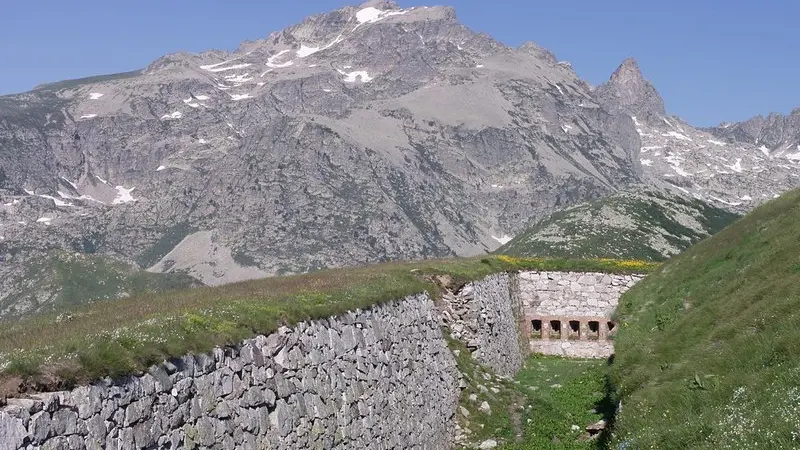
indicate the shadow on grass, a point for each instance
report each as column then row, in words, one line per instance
column 608, row 408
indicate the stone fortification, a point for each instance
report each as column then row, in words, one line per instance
column 381, row 378
column 570, row 313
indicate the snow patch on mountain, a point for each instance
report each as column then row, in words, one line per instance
column 271, row 61
column 503, row 240
column 724, row 202
column 676, row 135
column 74, row 186
column 793, row 156
column 82, row 197
column 239, row 78
column 123, row 195
column 172, row 116
column 306, row 51
column 352, row 77
column 737, row 166
column 281, row 65
column 371, row 15
column 215, row 67
column 57, row 201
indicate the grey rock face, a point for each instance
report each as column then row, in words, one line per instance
column 778, row 134
column 12, row 432
column 734, row 166
column 627, row 90
column 733, row 175
column 360, row 135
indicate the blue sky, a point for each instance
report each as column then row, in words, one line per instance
column 711, row 60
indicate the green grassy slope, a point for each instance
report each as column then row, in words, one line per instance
column 708, row 352
column 65, row 280
column 642, row 224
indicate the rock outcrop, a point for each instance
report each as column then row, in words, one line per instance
column 776, row 135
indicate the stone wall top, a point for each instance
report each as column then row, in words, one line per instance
column 573, row 293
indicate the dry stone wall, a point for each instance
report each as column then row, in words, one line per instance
column 583, row 300
column 485, row 316
column 573, row 293
column 381, row 378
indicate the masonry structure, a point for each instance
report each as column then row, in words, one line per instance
column 571, row 313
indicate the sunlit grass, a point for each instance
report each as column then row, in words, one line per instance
column 708, row 351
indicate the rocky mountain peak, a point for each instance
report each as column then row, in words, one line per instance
column 379, row 4
column 628, row 90
column 775, row 134
column 532, row 48
column 628, row 72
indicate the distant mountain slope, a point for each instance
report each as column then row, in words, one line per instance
column 63, row 280
column 776, row 135
column 368, row 133
column 708, row 351
column 647, row 224
column 735, row 167
column 365, row 134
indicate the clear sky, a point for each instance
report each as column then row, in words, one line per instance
column 711, row 60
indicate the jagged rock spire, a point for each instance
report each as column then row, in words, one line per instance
column 629, row 91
